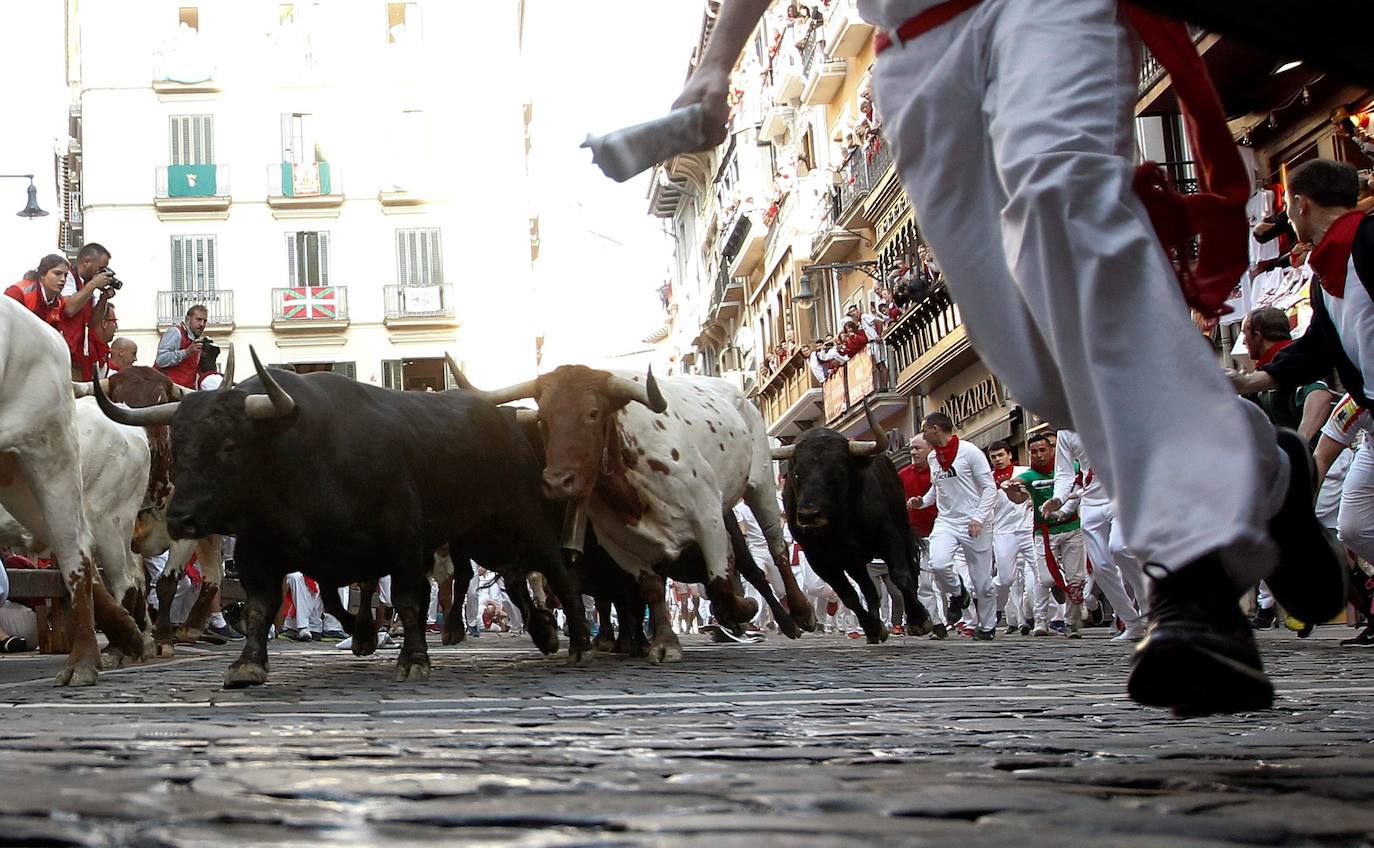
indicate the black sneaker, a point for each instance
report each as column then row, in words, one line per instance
column 1310, row 580
column 957, row 604
column 225, row 632
column 1264, row 619
column 1025, row 629
column 939, row 631
column 1364, row 639
column 210, row 637
column 1012, row 630
column 981, row 635
column 1199, row 656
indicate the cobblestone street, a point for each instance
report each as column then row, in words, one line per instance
column 1022, row 742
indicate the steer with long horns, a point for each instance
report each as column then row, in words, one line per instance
column 659, row 463
column 845, row 507
column 350, row 482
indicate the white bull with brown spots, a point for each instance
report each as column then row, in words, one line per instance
column 40, row 482
column 660, row 463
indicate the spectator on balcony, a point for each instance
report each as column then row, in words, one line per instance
column 852, row 339
column 870, row 324
column 41, row 292
column 826, row 359
column 178, row 354
column 929, row 264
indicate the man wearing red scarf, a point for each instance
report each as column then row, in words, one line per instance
column 1265, row 332
column 1013, row 549
column 1060, row 558
column 963, row 489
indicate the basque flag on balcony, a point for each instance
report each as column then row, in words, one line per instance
column 309, row 302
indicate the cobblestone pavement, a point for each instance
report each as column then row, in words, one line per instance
column 1021, row 742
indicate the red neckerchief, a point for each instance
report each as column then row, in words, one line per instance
column 1002, row 475
column 1268, row 356
column 1047, row 469
column 946, row 454
column 1331, row 258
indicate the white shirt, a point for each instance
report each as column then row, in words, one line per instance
column 1348, row 420
column 965, row 492
column 1353, row 317
column 1009, row 517
column 753, row 534
column 1068, row 450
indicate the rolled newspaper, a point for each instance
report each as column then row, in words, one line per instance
column 624, row 153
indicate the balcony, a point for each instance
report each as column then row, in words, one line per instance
column 790, row 398
column 742, row 246
column 862, row 170
column 927, row 341
column 846, row 33
column 310, row 309
column 191, row 192
column 776, row 120
column 184, row 66
column 787, row 71
column 728, row 296
column 172, row 306
column 822, row 78
column 420, row 307
column 311, row 190
column 831, row 242
column 861, row 377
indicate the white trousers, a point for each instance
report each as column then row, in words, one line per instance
column 186, row 594
column 1110, row 572
column 944, row 540
column 1062, row 554
column 309, row 611
column 1017, row 154
column 1355, row 522
column 1013, row 555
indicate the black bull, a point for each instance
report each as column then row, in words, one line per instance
column 846, row 510
column 353, row 482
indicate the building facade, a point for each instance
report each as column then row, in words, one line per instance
column 340, row 184
column 800, row 214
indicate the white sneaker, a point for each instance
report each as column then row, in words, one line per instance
column 345, row 644
column 1134, row 632
column 384, row 640
column 1040, row 630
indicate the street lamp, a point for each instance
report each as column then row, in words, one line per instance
column 31, row 208
column 805, row 296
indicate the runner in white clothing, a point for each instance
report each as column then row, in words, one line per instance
column 1355, row 521
column 1110, row 572
column 1013, row 547
column 962, row 487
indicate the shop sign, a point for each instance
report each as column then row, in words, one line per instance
column 979, row 397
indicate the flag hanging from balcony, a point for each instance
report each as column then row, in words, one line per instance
column 309, row 302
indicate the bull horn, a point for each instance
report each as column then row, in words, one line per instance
column 879, row 434
column 646, row 393
column 784, row 452
column 147, row 416
column 84, row 389
column 228, row 370
column 275, row 403
column 860, row 449
column 180, row 392
column 519, row 391
column 459, row 378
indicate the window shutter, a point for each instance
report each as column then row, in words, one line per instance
column 426, row 268
column 287, row 138
column 206, row 139
column 324, row 259
column 210, row 263
column 178, row 267
column 292, row 275
column 391, row 373
column 401, row 264
column 177, row 129
column 348, row 369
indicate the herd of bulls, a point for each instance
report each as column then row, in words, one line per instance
column 348, row 483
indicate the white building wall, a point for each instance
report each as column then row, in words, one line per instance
column 469, row 167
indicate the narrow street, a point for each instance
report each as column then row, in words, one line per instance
column 823, row 741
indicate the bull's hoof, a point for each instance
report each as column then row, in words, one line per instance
column 454, row 637
column 808, row 622
column 921, row 624
column 664, row 652
column 77, row 675
column 606, row 645
column 545, row 640
column 789, row 628
column 412, row 671
column 365, row 645
column 243, row 674
column 149, row 648
column 165, row 650
column 878, row 636
column 580, row 652
column 187, row 636
column 111, row 657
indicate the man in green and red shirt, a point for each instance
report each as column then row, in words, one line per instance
column 1061, row 560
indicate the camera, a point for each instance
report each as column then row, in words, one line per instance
column 114, row 283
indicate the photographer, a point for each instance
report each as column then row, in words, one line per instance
column 178, row 354
column 72, row 316
column 90, row 272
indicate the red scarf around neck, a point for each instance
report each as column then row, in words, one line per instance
column 1002, row 475
column 1268, row 356
column 946, row 454
column 1331, row 258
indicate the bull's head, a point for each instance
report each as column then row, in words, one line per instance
column 216, row 439
column 577, row 412
column 821, row 465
